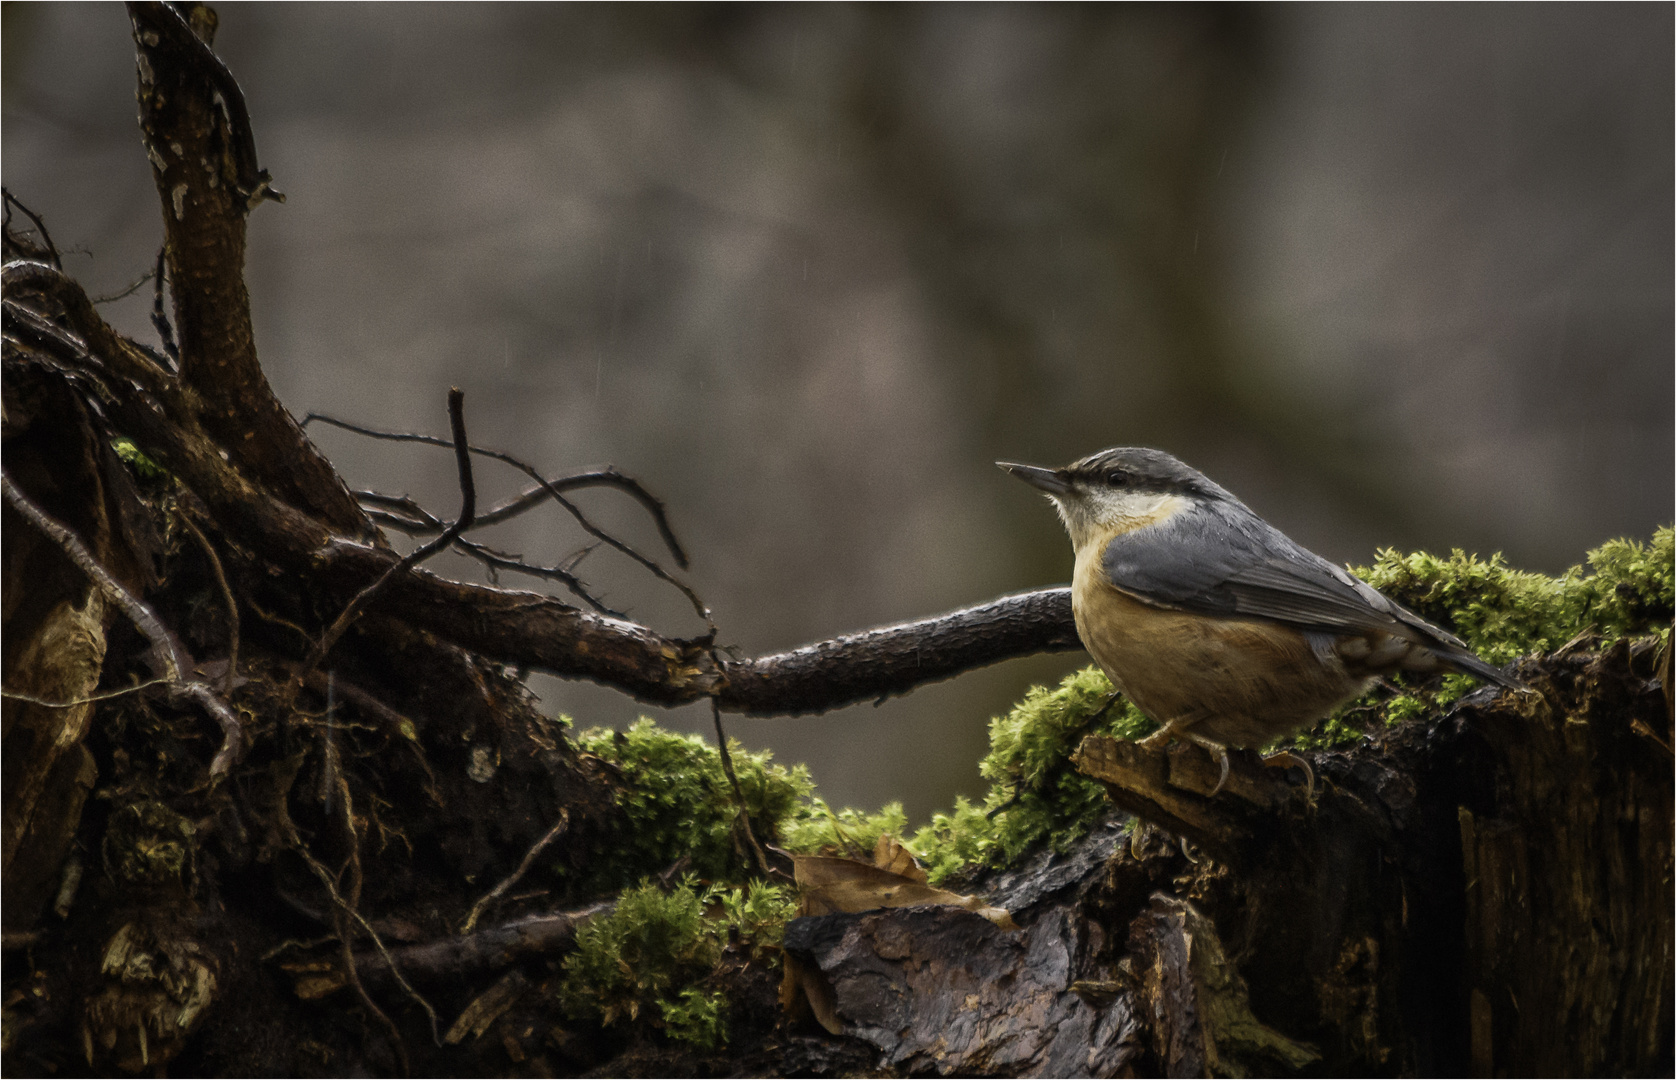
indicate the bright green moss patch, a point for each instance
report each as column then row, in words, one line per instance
column 1035, row 798
column 677, row 802
column 132, row 456
column 655, row 954
column 1624, row 589
column 845, row 832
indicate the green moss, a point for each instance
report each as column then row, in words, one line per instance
column 1035, row 798
column 697, row 1017
column 677, row 802
column 846, row 832
column 142, row 466
column 654, row 956
column 1624, row 589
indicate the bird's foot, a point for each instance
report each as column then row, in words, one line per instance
column 1159, row 739
column 1285, row 759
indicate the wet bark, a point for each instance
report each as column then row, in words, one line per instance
column 1488, row 889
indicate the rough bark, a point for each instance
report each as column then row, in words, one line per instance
column 1488, row 889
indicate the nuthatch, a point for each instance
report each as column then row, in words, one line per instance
column 1215, row 624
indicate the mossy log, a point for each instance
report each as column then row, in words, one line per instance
column 224, row 856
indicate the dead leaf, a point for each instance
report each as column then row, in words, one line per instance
column 487, row 1008
column 889, row 854
column 829, row 884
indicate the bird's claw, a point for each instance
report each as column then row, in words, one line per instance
column 1286, row 759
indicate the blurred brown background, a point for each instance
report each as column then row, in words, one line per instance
column 1395, row 275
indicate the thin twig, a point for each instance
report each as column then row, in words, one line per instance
column 553, row 491
column 423, row 521
column 40, row 227
column 90, row 699
column 606, row 477
column 340, row 923
column 738, row 791
column 468, row 510
column 168, row 656
column 535, row 496
column 227, row 597
column 512, row 879
column 129, row 291
column 346, row 907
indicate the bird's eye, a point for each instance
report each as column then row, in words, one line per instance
column 1117, row 478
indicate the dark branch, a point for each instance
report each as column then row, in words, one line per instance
column 541, row 632
column 486, row 950
column 46, row 250
column 198, row 137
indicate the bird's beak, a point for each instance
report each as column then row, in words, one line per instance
column 1051, row 481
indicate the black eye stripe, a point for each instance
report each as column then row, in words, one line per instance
column 1118, row 478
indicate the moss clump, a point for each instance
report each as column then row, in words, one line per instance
column 1035, row 797
column 677, row 802
column 848, row 831
column 1625, row 589
column 656, row 955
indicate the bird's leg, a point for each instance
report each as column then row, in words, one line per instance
column 1179, row 729
column 1286, row 759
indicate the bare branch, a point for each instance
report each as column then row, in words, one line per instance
column 486, row 950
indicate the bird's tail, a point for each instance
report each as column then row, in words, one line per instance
column 1469, row 663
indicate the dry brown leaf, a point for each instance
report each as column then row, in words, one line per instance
column 488, row 1007
column 830, row 884
column 889, row 854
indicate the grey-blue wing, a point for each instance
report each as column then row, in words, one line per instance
column 1216, row 559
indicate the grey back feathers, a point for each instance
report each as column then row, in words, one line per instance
column 1213, row 556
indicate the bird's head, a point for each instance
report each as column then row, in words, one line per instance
column 1116, row 490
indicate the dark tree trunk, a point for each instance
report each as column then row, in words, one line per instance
column 257, row 887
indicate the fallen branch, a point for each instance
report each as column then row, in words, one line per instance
column 485, row 950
